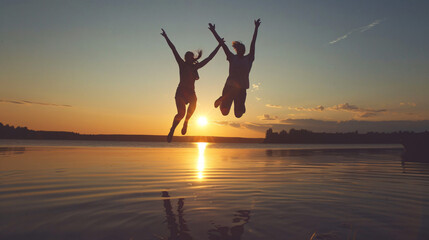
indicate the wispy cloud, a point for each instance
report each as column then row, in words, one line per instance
column 273, row 106
column 258, row 99
column 318, row 108
column 359, row 29
column 361, row 112
column 25, row 102
column 371, row 25
column 346, row 107
column 244, row 125
column 235, row 124
column 268, row 117
column 255, row 126
column 412, row 104
column 255, row 87
column 341, row 38
column 228, row 123
column 220, row 123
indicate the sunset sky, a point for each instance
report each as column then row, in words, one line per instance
column 103, row 67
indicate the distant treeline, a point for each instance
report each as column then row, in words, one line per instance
column 306, row 136
column 11, row 132
column 7, row 132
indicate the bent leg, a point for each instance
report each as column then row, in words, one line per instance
column 218, row 102
column 239, row 103
column 181, row 109
column 191, row 110
column 227, row 98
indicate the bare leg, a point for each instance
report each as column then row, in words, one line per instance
column 218, row 101
column 225, row 108
column 191, row 110
column 181, row 109
column 228, row 95
column 239, row 103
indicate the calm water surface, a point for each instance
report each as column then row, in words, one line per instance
column 209, row 191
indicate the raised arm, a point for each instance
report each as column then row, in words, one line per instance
column 255, row 34
column 173, row 48
column 210, row 57
column 220, row 40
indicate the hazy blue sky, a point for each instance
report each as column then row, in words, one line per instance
column 103, row 67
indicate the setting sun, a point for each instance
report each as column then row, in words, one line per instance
column 202, row 121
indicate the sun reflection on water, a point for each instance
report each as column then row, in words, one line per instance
column 200, row 164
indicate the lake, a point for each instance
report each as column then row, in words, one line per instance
column 135, row 190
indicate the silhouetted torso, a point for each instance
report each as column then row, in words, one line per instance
column 239, row 69
column 188, row 75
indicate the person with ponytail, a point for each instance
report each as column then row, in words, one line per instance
column 185, row 93
column 239, row 69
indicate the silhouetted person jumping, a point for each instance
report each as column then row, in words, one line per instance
column 238, row 80
column 185, row 92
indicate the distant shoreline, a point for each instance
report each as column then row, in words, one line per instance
column 133, row 138
column 304, row 136
column 11, row 132
column 292, row 137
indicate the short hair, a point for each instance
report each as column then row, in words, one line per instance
column 237, row 45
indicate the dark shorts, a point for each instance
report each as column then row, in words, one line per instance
column 186, row 95
column 233, row 94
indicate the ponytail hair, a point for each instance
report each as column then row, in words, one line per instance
column 198, row 56
column 194, row 56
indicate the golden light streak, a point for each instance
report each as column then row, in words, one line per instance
column 200, row 164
